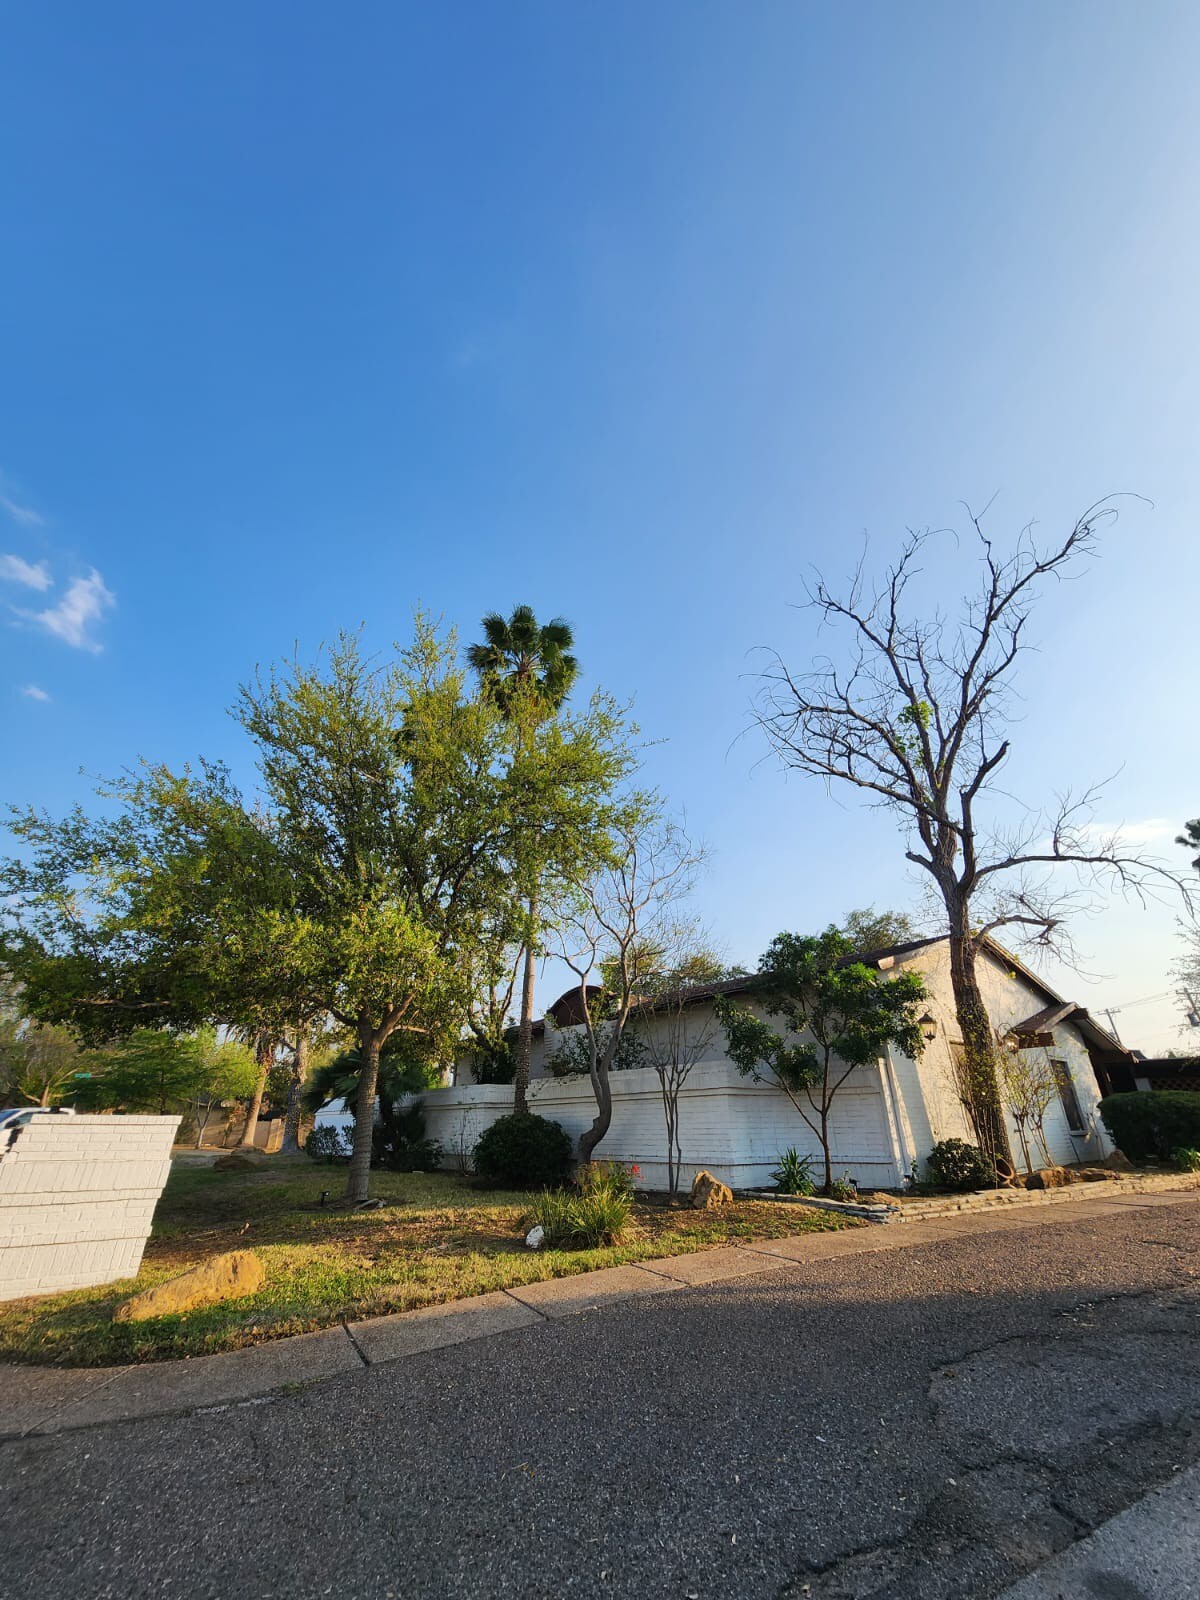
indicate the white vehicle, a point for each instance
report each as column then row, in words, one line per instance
column 18, row 1116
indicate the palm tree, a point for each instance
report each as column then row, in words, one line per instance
column 528, row 670
column 525, row 666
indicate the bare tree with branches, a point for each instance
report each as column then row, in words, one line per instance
column 677, row 1034
column 615, row 926
column 915, row 714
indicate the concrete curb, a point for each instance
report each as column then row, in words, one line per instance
column 36, row 1401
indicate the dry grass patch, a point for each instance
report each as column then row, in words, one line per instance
column 437, row 1239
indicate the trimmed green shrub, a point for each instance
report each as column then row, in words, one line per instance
column 956, row 1165
column 327, row 1144
column 580, row 1221
column 794, row 1174
column 1185, row 1160
column 524, row 1152
column 1150, row 1123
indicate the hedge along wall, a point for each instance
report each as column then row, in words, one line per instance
column 77, row 1197
column 1151, row 1123
column 730, row 1126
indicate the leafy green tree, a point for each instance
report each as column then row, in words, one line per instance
column 350, row 887
column 386, row 781
column 527, row 669
column 154, row 1070
column 40, row 1063
column 492, row 1038
column 163, row 913
column 869, row 930
column 225, row 1070
column 837, row 1014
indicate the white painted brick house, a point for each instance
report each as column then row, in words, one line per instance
column 885, row 1118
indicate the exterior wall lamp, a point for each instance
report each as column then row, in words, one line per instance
column 928, row 1026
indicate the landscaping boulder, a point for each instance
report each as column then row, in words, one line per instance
column 1048, row 1178
column 1118, row 1162
column 226, row 1277
column 708, row 1193
column 1094, row 1175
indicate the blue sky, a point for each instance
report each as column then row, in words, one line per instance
column 633, row 312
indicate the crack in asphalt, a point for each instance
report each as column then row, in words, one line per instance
column 948, row 1528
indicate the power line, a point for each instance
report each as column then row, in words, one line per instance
column 1144, row 1001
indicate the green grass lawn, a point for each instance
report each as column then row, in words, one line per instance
column 438, row 1239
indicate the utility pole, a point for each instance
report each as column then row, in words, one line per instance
column 1112, row 1027
column 1193, row 1009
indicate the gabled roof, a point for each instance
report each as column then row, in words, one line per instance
column 566, row 1012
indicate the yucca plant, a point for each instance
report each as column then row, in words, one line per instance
column 794, row 1174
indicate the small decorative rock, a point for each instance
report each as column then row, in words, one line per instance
column 708, row 1193
column 225, row 1277
column 536, row 1237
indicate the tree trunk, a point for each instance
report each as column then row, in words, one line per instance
column 671, row 1118
column 291, row 1120
column 980, row 1087
column 826, row 1157
column 591, row 1137
column 823, row 1120
column 265, row 1051
column 525, row 1036
column 359, row 1181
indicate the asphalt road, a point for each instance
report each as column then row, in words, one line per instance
column 919, row 1423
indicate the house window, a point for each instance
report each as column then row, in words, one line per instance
column 1066, row 1093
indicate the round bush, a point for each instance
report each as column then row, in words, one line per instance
column 955, row 1164
column 524, row 1152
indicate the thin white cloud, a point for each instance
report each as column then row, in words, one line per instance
column 25, row 515
column 85, row 602
column 1147, row 830
column 33, row 574
column 32, row 692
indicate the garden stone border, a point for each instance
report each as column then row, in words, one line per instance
column 908, row 1211
column 36, row 1401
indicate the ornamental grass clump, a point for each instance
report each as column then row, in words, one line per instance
column 584, row 1219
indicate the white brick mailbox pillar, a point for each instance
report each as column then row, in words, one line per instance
column 77, row 1196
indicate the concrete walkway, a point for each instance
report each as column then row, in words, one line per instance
column 47, row 1400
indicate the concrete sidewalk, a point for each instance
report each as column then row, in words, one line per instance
column 46, row 1400
column 1150, row 1552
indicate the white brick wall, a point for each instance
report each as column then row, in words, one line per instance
column 77, row 1197
column 731, row 1126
